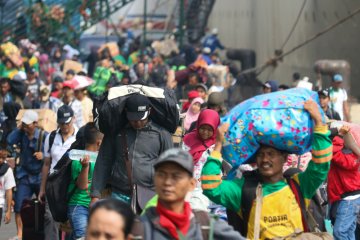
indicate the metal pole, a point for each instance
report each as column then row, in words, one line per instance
column 2, row 4
column 145, row 22
column 181, row 24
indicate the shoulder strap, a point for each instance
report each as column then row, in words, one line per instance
column 126, row 156
column 51, row 139
column 39, row 142
column 259, row 201
column 206, row 224
column 295, row 188
column 141, row 229
column 247, row 198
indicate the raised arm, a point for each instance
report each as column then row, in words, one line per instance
column 224, row 192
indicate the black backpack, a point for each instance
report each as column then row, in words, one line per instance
column 57, row 189
column 57, row 183
column 110, row 117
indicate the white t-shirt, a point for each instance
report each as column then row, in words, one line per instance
column 58, row 148
column 337, row 99
column 7, row 181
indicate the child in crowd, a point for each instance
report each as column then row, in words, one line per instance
column 7, row 182
column 193, row 112
column 81, row 174
column 202, row 90
column 191, row 96
column 200, row 143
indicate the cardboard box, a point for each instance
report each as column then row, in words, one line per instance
column 69, row 64
column 113, row 47
column 47, row 119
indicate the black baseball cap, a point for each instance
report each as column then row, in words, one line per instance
column 324, row 92
column 178, row 156
column 64, row 114
column 137, row 107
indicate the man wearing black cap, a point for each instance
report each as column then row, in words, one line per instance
column 270, row 86
column 131, row 155
column 56, row 144
column 173, row 217
column 324, row 96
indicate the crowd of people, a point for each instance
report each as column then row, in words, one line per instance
column 142, row 187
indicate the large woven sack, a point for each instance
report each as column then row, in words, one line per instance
column 277, row 119
column 352, row 139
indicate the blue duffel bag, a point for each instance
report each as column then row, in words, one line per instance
column 276, row 119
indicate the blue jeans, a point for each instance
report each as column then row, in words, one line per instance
column 25, row 188
column 346, row 219
column 78, row 217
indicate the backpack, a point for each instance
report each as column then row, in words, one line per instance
column 249, row 195
column 57, row 189
column 142, row 226
column 110, row 117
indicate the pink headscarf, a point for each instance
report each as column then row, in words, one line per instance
column 191, row 117
column 193, row 140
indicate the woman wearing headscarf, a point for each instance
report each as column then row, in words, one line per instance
column 200, row 142
column 193, row 112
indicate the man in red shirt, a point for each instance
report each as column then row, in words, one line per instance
column 344, row 187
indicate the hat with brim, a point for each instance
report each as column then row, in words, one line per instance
column 64, row 120
column 81, row 82
column 324, row 93
column 137, row 107
column 69, row 84
column 29, row 117
column 203, row 86
column 137, row 116
column 64, row 114
column 266, row 85
column 177, row 156
column 337, row 78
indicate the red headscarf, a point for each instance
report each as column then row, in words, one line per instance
column 194, row 142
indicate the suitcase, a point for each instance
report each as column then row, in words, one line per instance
column 32, row 215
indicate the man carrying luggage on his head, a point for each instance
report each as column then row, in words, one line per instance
column 127, row 158
column 280, row 213
column 31, row 140
column 173, row 217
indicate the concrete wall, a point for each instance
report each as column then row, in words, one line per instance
column 263, row 25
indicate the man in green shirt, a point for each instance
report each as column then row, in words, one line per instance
column 280, row 213
column 81, row 177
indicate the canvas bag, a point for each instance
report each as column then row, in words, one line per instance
column 110, row 116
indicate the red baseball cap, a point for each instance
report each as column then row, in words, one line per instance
column 69, row 84
column 193, row 94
